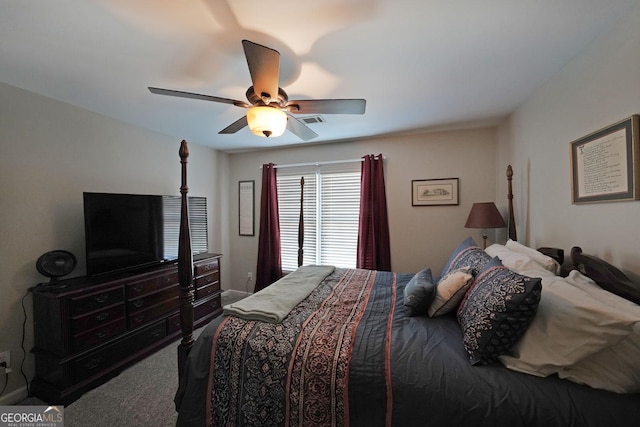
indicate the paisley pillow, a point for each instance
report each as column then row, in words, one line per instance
column 496, row 311
column 467, row 254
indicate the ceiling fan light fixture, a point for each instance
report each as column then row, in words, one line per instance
column 266, row 121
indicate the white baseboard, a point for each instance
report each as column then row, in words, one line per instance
column 235, row 293
column 16, row 396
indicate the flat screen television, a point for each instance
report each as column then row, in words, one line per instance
column 131, row 231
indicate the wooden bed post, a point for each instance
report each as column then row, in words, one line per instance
column 185, row 266
column 513, row 235
column 301, row 224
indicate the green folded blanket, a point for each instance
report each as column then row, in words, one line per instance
column 273, row 303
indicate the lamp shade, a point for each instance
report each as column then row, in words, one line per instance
column 266, row 121
column 484, row 215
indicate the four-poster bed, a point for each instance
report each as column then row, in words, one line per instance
column 347, row 351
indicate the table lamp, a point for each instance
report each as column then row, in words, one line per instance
column 484, row 215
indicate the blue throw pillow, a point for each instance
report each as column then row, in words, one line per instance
column 419, row 293
column 467, row 254
column 496, row 311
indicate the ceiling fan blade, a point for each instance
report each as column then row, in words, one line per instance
column 235, row 126
column 264, row 67
column 159, row 91
column 299, row 129
column 327, row 106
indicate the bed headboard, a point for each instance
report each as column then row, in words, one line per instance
column 605, row 275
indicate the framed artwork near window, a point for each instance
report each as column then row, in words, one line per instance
column 604, row 164
column 431, row 192
column 246, row 208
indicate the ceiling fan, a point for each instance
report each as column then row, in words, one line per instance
column 269, row 109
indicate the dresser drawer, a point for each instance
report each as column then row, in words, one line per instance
column 152, row 284
column 89, row 365
column 149, row 300
column 207, row 279
column 205, row 291
column 173, row 323
column 207, row 307
column 96, row 318
column 152, row 313
column 95, row 301
column 200, row 310
column 208, row 266
column 98, row 335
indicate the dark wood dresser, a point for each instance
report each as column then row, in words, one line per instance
column 89, row 330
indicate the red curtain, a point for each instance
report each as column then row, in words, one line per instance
column 373, row 230
column 269, row 261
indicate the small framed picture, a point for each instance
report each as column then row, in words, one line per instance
column 431, row 192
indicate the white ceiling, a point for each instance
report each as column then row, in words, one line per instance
column 420, row 64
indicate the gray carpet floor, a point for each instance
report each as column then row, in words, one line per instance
column 142, row 395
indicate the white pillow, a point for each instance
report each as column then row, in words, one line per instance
column 570, row 325
column 517, row 261
column 615, row 368
column 546, row 261
column 450, row 290
column 582, row 282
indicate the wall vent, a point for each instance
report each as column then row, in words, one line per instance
column 313, row 119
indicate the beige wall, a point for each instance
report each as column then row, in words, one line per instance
column 420, row 236
column 596, row 89
column 51, row 153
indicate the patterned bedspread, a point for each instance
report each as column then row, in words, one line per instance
column 349, row 355
column 306, row 358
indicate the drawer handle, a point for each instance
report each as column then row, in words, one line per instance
column 101, row 298
column 92, row 363
column 102, row 334
column 167, row 280
column 102, row 316
column 137, row 289
column 139, row 318
column 156, row 333
column 138, row 303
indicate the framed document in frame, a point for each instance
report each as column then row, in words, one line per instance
column 604, row 164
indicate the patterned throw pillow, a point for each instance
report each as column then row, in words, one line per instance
column 496, row 311
column 418, row 293
column 450, row 291
column 467, row 254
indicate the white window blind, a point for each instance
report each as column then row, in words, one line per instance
column 171, row 207
column 331, row 212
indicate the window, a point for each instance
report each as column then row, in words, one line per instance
column 171, row 210
column 331, row 213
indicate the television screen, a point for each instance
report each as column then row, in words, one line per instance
column 125, row 231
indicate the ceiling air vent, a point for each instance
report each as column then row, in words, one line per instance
column 313, row 119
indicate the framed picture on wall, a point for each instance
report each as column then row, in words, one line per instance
column 431, row 192
column 604, row 164
column 246, row 197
